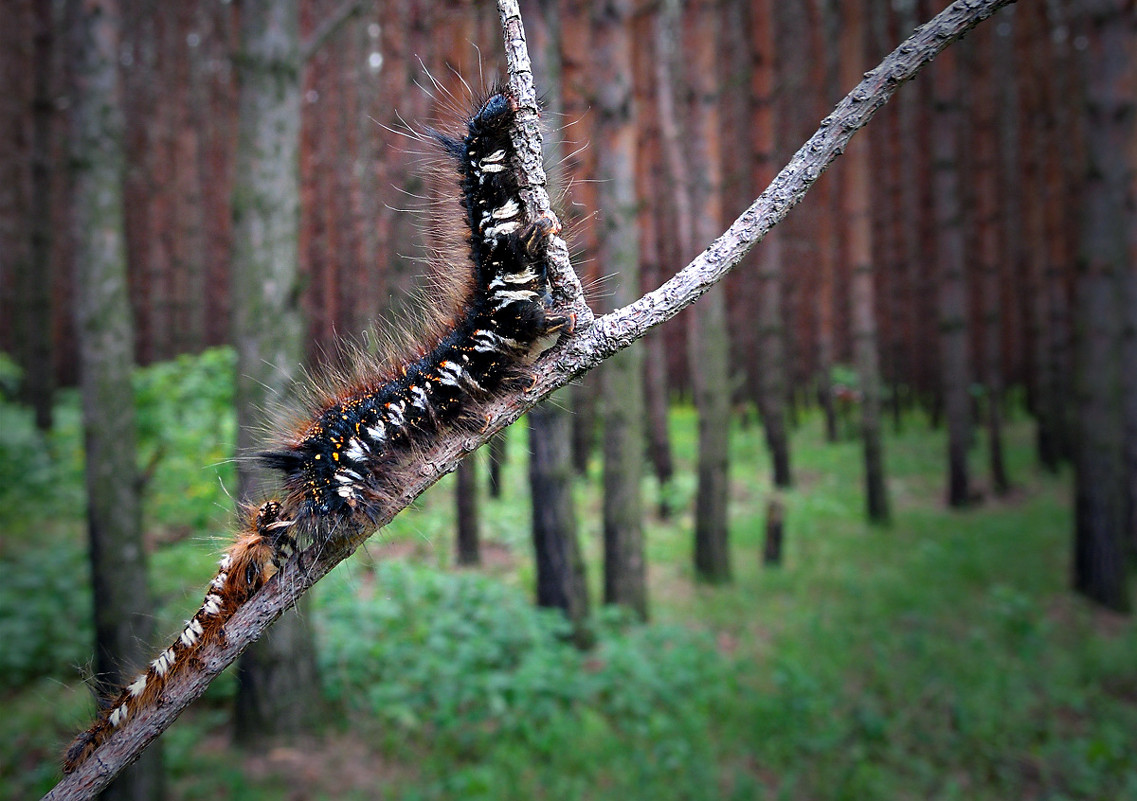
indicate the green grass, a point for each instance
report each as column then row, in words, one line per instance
column 940, row 657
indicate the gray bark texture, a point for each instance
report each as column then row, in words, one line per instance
column 277, row 674
column 123, row 613
column 593, row 341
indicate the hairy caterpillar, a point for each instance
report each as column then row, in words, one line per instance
column 341, row 463
column 344, row 459
column 255, row 556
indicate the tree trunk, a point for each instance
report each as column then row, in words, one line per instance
column 771, row 331
column 708, row 344
column 498, row 454
column 277, row 674
column 123, row 613
column 469, row 550
column 576, row 49
column 651, row 188
column 823, row 75
column 560, row 567
column 1099, row 566
column 855, row 189
column 561, row 580
column 618, row 253
column 36, row 336
column 947, row 127
column 986, row 168
column 775, row 531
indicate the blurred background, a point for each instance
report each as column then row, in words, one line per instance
column 858, row 524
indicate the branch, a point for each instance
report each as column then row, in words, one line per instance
column 593, row 341
column 328, row 27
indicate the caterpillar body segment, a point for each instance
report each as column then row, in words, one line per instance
column 343, row 462
column 263, row 542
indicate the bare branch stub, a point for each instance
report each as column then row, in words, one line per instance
column 587, row 347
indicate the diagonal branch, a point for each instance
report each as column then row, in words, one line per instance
column 593, row 341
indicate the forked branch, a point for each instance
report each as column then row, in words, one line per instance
column 593, row 341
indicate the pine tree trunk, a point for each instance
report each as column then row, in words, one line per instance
column 708, row 354
column 768, row 316
column 469, row 550
column 1099, row 566
column 560, row 567
column 953, row 315
column 278, row 673
column 857, row 218
column 625, row 571
column 651, row 189
column 36, row 337
column 123, row 613
column 986, row 168
column 498, row 453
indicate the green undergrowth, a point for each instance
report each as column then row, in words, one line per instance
column 939, row 657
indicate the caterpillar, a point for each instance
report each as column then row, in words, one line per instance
column 256, row 555
column 341, row 464
column 343, row 460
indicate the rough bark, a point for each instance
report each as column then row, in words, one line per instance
column 123, row 610
column 625, row 579
column 857, row 217
column 593, row 341
column 1099, row 566
column 277, row 674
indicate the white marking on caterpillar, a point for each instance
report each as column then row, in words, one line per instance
column 212, row 604
column 348, row 477
column 395, row 410
column 507, row 211
column 164, row 661
column 356, row 450
column 492, row 167
column 118, row 716
column 378, row 432
column 494, row 231
column 192, row 632
column 449, row 373
column 224, row 561
column 138, row 686
column 421, row 398
column 219, row 580
column 493, row 158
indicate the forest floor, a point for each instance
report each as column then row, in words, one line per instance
column 941, row 657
